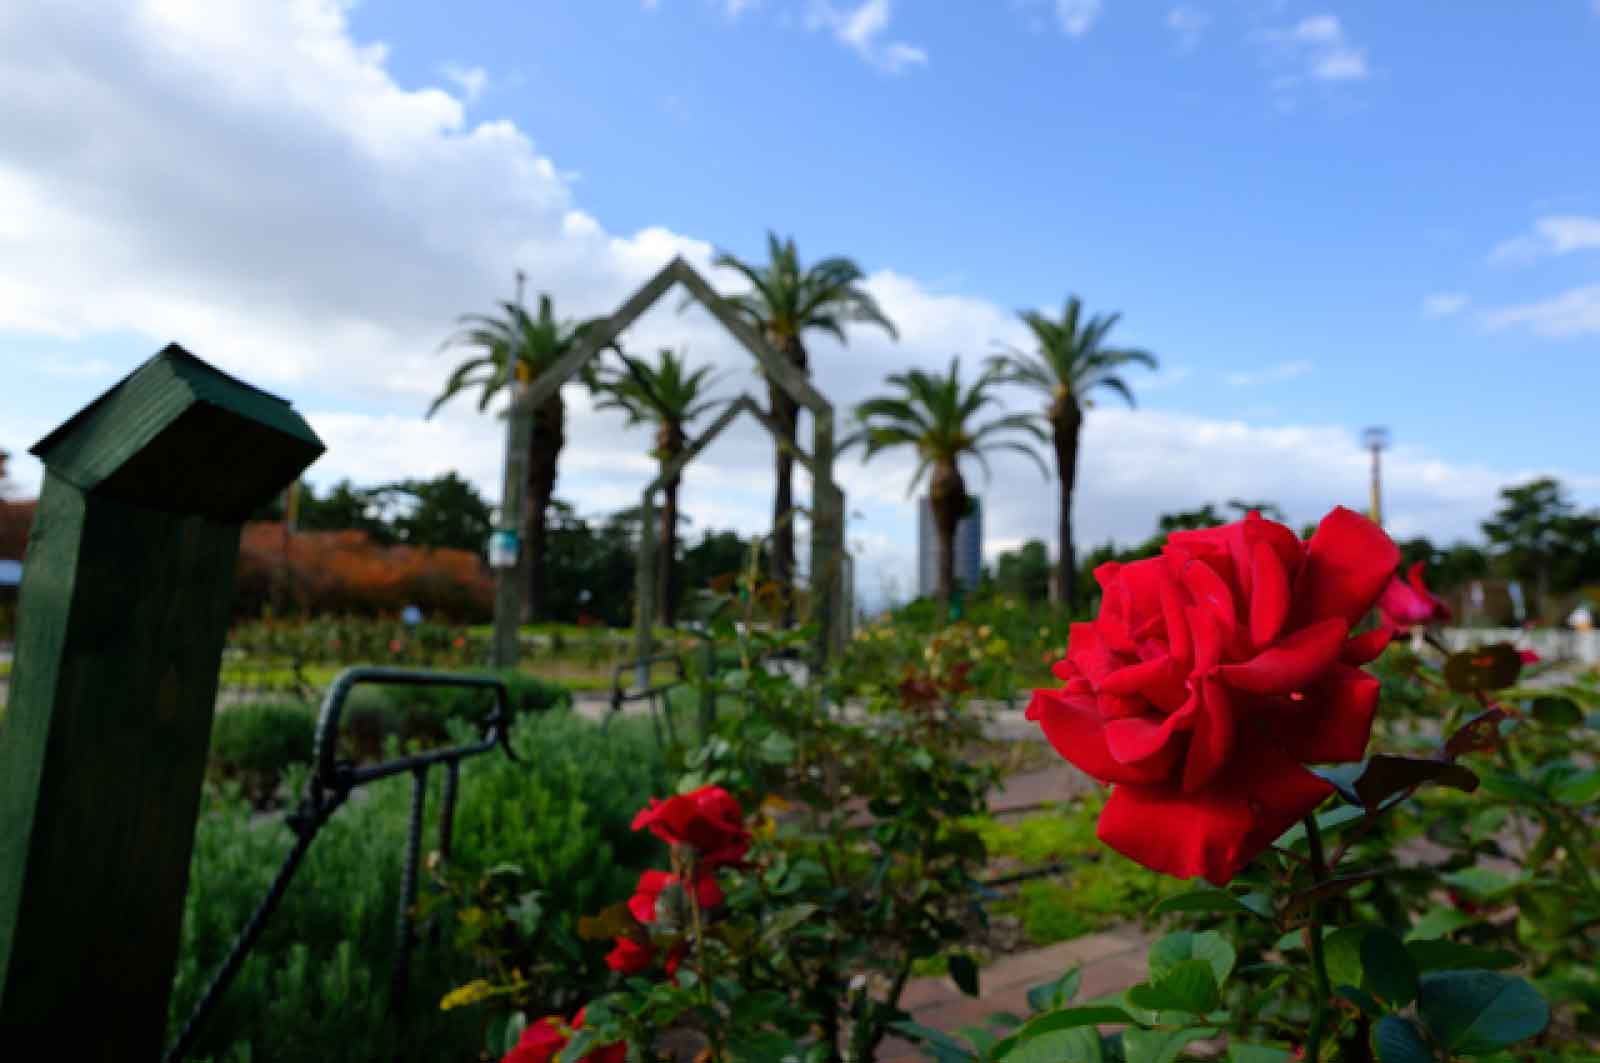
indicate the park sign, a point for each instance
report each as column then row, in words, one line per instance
column 123, row 610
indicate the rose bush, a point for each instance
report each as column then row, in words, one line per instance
column 708, row 821
column 1213, row 674
column 543, row 1040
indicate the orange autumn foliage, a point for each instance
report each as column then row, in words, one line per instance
column 346, row 572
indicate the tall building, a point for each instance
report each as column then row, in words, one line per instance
column 968, row 548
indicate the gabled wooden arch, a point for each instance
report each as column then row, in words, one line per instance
column 827, row 503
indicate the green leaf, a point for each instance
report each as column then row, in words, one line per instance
column 1476, row 1012
column 1438, row 922
column 1513, row 788
column 964, row 972
column 1189, row 986
column 981, row 1039
column 1361, row 999
column 920, row 1034
column 1579, row 789
column 1206, row 945
column 1399, row 1041
column 1442, row 955
column 1557, row 712
column 1059, row 1046
column 1056, row 993
column 1206, row 900
column 1384, row 775
column 1341, row 952
column 1239, row 1052
column 1160, row 1046
column 1390, row 971
column 1480, row 883
column 1333, row 819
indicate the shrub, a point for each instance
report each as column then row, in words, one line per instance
column 253, row 744
column 316, row 985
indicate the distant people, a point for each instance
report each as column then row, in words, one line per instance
column 411, row 616
column 1581, row 619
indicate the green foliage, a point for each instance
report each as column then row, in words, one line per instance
column 315, row 988
column 255, row 743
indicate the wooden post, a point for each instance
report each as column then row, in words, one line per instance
column 126, row 597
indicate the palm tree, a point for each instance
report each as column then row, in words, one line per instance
column 786, row 301
column 934, row 415
column 669, row 397
column 517, row 347
column 1070, row 362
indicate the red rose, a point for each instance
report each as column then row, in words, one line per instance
column 1407, row 603
column 543, row 1040
column 630, row 956
column 1529, row 657
column 707, row 820
column 1212, row 675
column 643, row 902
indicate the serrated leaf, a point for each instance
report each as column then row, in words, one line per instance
column 1055, row 993
column 1207, row 945
column 1399, row 1041
column 1556, row 712
column 1188, row 987
column 964, row 973
column 1391, row 973
column 1475, row 1012
column 1341, row 954
column 1483, row 669
column 1438, row 922
column 1239, row 1052
column 1160, row 1046
column 1058, row 1046
column 1442, row 955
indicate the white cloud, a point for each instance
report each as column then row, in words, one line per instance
column 861, row 28
column 1444, row 304
column 1556, row 234
column 1575, row 312
column 1316, row 47
column 1270, row 375
column 1188, row 24
column 472, row 80
column 1077, row 17
column 327, row 226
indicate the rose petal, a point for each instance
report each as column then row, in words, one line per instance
column 1349, row 561
column 1211, row 591
column 1216, row 831
column 1367, row 646
column 1212, row 741
column 1269, row 595
column 1149, row 740
column 1074, row 727
column 1292, row 663
column 1333, row 723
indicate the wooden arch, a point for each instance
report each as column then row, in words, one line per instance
column 827, row 503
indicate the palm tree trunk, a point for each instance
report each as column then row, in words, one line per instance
column 1065, row 424
column 947, row 495
column 785, row 412
column 549, row 423
column 666, row 568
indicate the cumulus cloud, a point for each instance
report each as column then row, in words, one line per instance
column 861, row 29
column 1077, row 17
column 1557, row 234
column 1444, row 304
column 286, row 210
column 472, row 80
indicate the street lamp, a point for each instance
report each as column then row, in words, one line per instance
column 1377, row 441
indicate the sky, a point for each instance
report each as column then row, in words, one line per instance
column 1318, row 216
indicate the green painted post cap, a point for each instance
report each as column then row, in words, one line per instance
column 180, row 435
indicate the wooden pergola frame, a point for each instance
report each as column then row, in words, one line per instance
column 828, row 562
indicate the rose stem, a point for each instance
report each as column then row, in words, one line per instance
column 1319, row 966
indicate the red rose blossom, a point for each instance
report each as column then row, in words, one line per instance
column 643, row 902
column 543, row 1040
column 707, row 820
column 1212, row 675
column 630, row 956
column 1529, row 657
column 1408, row 603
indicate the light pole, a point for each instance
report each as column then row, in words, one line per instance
column 1376, row 440
column 506, row 548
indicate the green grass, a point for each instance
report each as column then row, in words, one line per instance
column 1098, row 890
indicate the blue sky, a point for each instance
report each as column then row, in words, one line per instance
column 1318, row 215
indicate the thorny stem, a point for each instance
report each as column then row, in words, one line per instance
column 1319, row 966
column 693, row 893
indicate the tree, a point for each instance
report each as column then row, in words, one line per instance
column 1069, row 363
column 933, row 415
column 785, row 302
column 446, row 511
column 1025, row 571
column 668, row 396
column 1528, row 533
column 517, row 347
column 343, row 508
